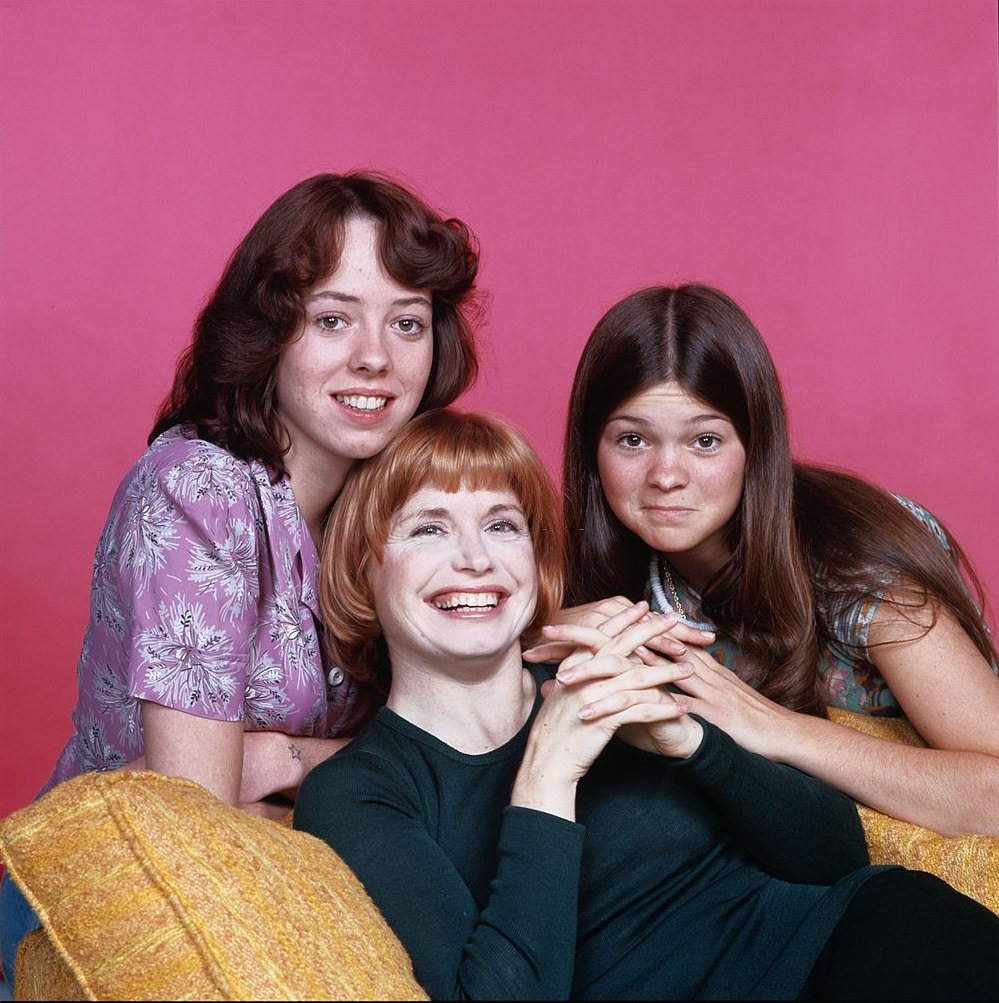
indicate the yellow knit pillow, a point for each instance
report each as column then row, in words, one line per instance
column 150, row 888
column 969, row 863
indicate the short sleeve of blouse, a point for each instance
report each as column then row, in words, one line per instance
column 929, row 520
column 851, row 625
column 182, row 551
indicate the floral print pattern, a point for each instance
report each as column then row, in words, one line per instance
column 203, row 598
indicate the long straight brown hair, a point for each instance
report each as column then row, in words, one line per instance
column 804, row 541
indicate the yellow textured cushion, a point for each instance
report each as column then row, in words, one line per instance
column 41, row 973
column 150, row 888
column 969, row 863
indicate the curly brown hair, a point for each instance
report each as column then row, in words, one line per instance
column 224, row 385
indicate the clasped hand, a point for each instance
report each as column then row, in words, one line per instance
column 709, row 690
column 602, row 688
column 670, row 641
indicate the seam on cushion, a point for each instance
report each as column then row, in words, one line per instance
column 132, row 817
column 273, row 963
column 360, row 926
column 216, row 964
column 44, row 918
column 46, row 921
column 226, row 982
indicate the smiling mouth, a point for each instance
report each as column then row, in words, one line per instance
column 360, row 402
column 467, row 600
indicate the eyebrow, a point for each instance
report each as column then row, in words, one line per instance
column 329, row 294
column 443, row 513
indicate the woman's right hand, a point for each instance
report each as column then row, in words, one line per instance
column 669, row 642
column 658, row 719
column 603, row 690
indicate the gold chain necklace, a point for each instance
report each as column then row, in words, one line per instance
column 677, row 605
column 659, row 578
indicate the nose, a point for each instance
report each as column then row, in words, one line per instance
column 368, row 352
column 668, row 470
column 471, row 552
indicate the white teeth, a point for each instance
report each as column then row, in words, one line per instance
column 473, row 600
column 362, row 403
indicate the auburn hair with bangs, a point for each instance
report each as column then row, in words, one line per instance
column 448, row 450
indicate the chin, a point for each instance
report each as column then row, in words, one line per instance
column 365, row 448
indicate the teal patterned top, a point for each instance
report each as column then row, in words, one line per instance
column 849, row 677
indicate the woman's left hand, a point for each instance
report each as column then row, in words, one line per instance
column 717, row 694
column 633, row 695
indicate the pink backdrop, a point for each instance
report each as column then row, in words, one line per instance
column 830, row 163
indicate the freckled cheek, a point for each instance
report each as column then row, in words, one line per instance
column 619, row 481
column 415, row 359
column 421, row 367
column 627, row 485
column 726, row 489
column 299, row 376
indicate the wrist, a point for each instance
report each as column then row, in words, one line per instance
column 692, row 741
column 543, row 786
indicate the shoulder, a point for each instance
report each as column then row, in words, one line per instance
column 182, row 485
column 372, row 765
column 927, row 518
column 176, row 449
column 195, row 473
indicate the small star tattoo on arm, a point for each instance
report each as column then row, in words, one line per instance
column 296, row 753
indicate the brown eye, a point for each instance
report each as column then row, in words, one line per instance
column 410, row 325
column 330, row 322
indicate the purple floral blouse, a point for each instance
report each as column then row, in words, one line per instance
column 203, row 599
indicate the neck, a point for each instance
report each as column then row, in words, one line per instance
column 697, row 567
column 475, row 709
column 664, row 590
column 678, row 571
column 315, row 491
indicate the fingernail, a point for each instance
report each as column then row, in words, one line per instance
column 565, row 675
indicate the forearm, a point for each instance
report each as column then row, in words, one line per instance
column 209, row 752
column 543, row 785
column 524, row 945
column 520, row 944
column 272, row 762
column 948, row 791
column 276, row 763
column 798, row 828
column 947, row 691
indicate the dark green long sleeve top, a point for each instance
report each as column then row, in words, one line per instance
column 716, row 877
